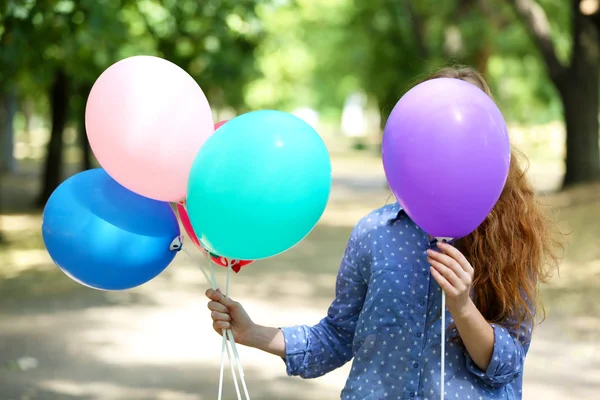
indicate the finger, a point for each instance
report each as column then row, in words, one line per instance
column 456, row 255
column 444, row 284
column 218, row 316
column 227, row 302
column 447, row 273
column 450, row 263
column 213, row 294
column 216, row 306
column 220, row 325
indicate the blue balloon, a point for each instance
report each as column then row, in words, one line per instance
column 105, row 236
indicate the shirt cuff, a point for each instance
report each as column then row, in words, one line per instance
column 489, row 374
column 296, row 343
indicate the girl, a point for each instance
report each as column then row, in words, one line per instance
column 386, row 315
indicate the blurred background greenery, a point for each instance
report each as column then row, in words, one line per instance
column 339, row 64
column 313, row 57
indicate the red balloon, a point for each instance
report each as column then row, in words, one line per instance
column 187, row 225
column 220, row 124
column 236, row 265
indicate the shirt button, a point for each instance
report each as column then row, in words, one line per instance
column 419, row 334
column 415, row 365
column 422, row 302
column 424, row 273
column 412, row 394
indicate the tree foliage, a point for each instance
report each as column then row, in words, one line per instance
column 295, row 53
column 213, row 40
column 59, row 47
column 319, row 52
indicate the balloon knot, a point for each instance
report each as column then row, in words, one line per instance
column 176, row 244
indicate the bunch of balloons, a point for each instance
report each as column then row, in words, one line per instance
column 253, row 188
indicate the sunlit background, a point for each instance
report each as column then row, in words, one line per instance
column 340, row 65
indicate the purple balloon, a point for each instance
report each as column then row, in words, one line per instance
column 446, row 155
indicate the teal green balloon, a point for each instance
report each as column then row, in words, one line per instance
column 258, row 185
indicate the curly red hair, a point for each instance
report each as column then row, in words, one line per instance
column 516, row 248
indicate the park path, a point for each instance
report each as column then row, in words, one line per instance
column 59, row 340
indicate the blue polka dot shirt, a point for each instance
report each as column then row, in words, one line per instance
column 386, row 318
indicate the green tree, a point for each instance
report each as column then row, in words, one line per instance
column 381, row 47
column 62, row 46
column 479, row 32
column 214, row 40
column 405, row 40
column 577, row 80
column 58, row 47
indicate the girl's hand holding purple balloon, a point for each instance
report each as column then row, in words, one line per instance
column 454, row 273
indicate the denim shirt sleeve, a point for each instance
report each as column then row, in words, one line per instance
column 508, row 357
column 317, row 350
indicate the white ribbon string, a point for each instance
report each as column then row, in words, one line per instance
column 212, row 281
column 201, row 268
column 224, row 346
column 443, row 332
column 227, row 334
column 443, row 345
column 231, row 338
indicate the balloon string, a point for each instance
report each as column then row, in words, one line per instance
column 229, row 266
column 224, row 346
column 185, row 250
column 212, row 280
column 232, row 339
column 443, row 345
column 443, row 330
column 213, row 283
column 222, row 369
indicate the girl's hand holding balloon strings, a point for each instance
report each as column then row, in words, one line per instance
column 229, row 314
column 454, row 274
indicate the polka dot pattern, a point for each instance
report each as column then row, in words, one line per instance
column 386, row 318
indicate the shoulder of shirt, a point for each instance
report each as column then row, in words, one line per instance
column 376, row 219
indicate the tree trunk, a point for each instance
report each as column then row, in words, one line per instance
column 581, row 120
column 580, row 96
column 8, row 109
column 27, row 107
column 578, row 84
column 2, row 238
column 482, row 58
column 59, row 99
column 86, row 151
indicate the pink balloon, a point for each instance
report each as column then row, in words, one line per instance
column 146, row 119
